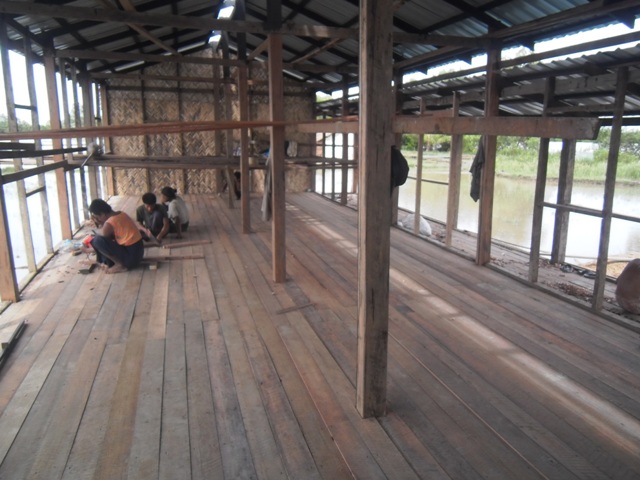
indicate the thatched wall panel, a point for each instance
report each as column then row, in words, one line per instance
column 201, row 181
column 130, row 181
column 173, row 103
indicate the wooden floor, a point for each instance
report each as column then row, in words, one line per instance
column 205, row 369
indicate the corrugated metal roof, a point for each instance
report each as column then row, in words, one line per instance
column 68, row 29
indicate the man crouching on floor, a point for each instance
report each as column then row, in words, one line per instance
column 118, row 245
column 152, row 218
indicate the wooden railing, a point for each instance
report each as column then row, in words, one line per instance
column 42, row 224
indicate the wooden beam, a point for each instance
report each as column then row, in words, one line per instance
column 54, row 116
column 276, row 108
column 203, row 23
column 374, row 212
column 609, row 189
column 487, row 181
column 8, row 281
column 243, row 108
column 136, row 57
column 538, row 199
column 565, row 189
column 152, row 128
column 579, row 128
column 455, row 174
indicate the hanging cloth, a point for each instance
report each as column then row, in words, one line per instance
column 476, row 171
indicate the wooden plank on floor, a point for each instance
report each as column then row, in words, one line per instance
column 327, row 458
column 84, row 454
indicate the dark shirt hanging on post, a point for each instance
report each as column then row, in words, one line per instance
column 476, row 171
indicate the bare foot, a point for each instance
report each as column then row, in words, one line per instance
column 116, row 269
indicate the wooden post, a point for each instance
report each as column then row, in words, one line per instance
column 54, row 116
column 345, row 146
column 485, row 214
column 565, row 187
column 455, row 166
column 78, row 121
column 228, row 92
column 397, row 141
column 35, row 122
column 609, row 187
column 87, row 108
column 217, row 115
column 109, row 173
column 17, row 162
column 420, row 154
column 66, row 120
column 276, row 107
column 8, row 282
column 243, row 100
column 538, row 198
column 374, row 212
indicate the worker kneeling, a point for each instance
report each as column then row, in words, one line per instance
column 118, row 245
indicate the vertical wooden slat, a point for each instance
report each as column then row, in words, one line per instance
column 35, row 122
column 565, row 189
column 66, row 119
column 17, row 162
column 420, row 158
column 345, row 145
column 374, row 212
column 397, row 141
column 455, row 166
column 54, row 118
column 538, row 199
column 87, row 109
column 78, row 121
column 228, row 110
column 109, row 173
column 609, row 187
column 276, row 107
column 485, row 215
column 217, row 115
column 243, row 100
column 8, row 282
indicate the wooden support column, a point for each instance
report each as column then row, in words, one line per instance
column 17, row 162
column 276, row 107
column 66, row 120
column 374, row 212
column 109, row 172
column 565, row 188
column 541, row 182
column 87, row 109
column 455, row 167
column 491, row 109
column 35, row 122
column 54, row 116
column 243, row 102
column 609, row 187
column 345, row 144
column 147, row 148
column 420, row 162
column 228, row 110
column 397, row 141
column 217, row 115
column 78, row 121
column 8, row 281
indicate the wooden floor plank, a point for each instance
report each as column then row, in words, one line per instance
column 206, row 368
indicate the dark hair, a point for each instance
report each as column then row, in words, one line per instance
column 169, row 192
column 149, row 198
column 99, row 206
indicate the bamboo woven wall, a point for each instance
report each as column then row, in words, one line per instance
column 134, row 102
